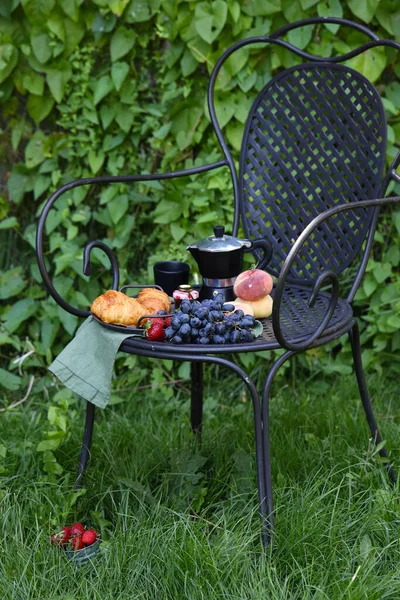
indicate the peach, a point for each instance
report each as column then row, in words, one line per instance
column 253, row 284
column 261, row 309
column 242, row 305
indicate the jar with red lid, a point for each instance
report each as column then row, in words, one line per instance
column 184, row 292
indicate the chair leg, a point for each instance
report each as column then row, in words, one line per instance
column 269, row 522
column 196, row 407
column 366, row 401
column 86, row 443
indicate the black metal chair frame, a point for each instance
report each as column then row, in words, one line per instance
column 329, row 316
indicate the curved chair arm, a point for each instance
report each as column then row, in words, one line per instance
column 322, row 279
column 86, row 258
column 87, row 265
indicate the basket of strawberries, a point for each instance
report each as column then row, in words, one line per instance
column 78, row 543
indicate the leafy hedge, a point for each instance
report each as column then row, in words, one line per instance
column 118, row 87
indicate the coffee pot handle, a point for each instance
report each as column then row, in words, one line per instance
column 266, row 247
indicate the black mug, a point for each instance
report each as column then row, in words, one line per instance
column 169, row 274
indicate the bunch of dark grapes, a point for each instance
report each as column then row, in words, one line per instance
column 205, row 322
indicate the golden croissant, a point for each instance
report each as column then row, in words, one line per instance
column 119, row 309
column 154, row 300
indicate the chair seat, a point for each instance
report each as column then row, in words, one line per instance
column 298, row 322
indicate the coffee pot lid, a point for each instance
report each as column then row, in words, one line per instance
column 220, row 242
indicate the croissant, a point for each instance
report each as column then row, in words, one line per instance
column 119, row 309
column 154, row 299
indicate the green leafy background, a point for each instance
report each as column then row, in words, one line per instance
column 113, row 87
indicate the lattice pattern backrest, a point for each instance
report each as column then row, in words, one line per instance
column 315, row 137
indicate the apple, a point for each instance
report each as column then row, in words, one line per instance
column 253, row 284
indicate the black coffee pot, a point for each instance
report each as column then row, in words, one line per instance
column 220, row 261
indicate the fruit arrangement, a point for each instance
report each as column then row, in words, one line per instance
column 205, row 322
column 252, row 288
column 75, row 537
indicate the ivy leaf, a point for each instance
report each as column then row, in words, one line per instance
column 34, row 150
column 234, row 9
column 37, row 11
column 41, row 47
column 261, row 9
column 19, row 312
column 363, row 9
column 235, row 63
column 118, row 207
column 300, row 37
column 112, row 141
column 9, row 380
column 188, row 63
column 331, row 8
column 55, row 24
column 39, row 107
column 118, row 6
column 388, row 16
column 8, row 223
column 103, row 24
column 370, row 63
column 107, row 114
column 119, row 71
column 8, row 60
column 96, row 161
column 306, row 4
column 57, row 77
column 102, row 88
column 70, row 8
column 177, row 232
column 18, row 183
column 122, row 42
column 42, row 184
column 11, row 282
column 225, row 108
column 34, row 83
column 124, row 118
column 74, row 33
column 138, row 11
column 210, row 19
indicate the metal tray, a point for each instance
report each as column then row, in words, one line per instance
column 131, row 329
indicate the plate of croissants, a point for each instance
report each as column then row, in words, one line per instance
column 119, row 311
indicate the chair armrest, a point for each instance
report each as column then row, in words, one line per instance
column 86, row 258
column 327, row 276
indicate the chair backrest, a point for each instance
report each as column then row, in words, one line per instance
column 315, row 138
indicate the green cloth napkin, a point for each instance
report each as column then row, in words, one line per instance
column 86, row 364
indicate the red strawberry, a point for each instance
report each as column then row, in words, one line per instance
column 89, row 537
column 62, row 537
column 156, row 333
column 77, row 529
column 167, row 321
column 156, row 321
column 77, row 543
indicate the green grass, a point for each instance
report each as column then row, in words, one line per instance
column 180, row 521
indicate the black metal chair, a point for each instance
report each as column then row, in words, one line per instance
column 311, row 181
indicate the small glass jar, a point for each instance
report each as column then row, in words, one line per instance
column 184, row 292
